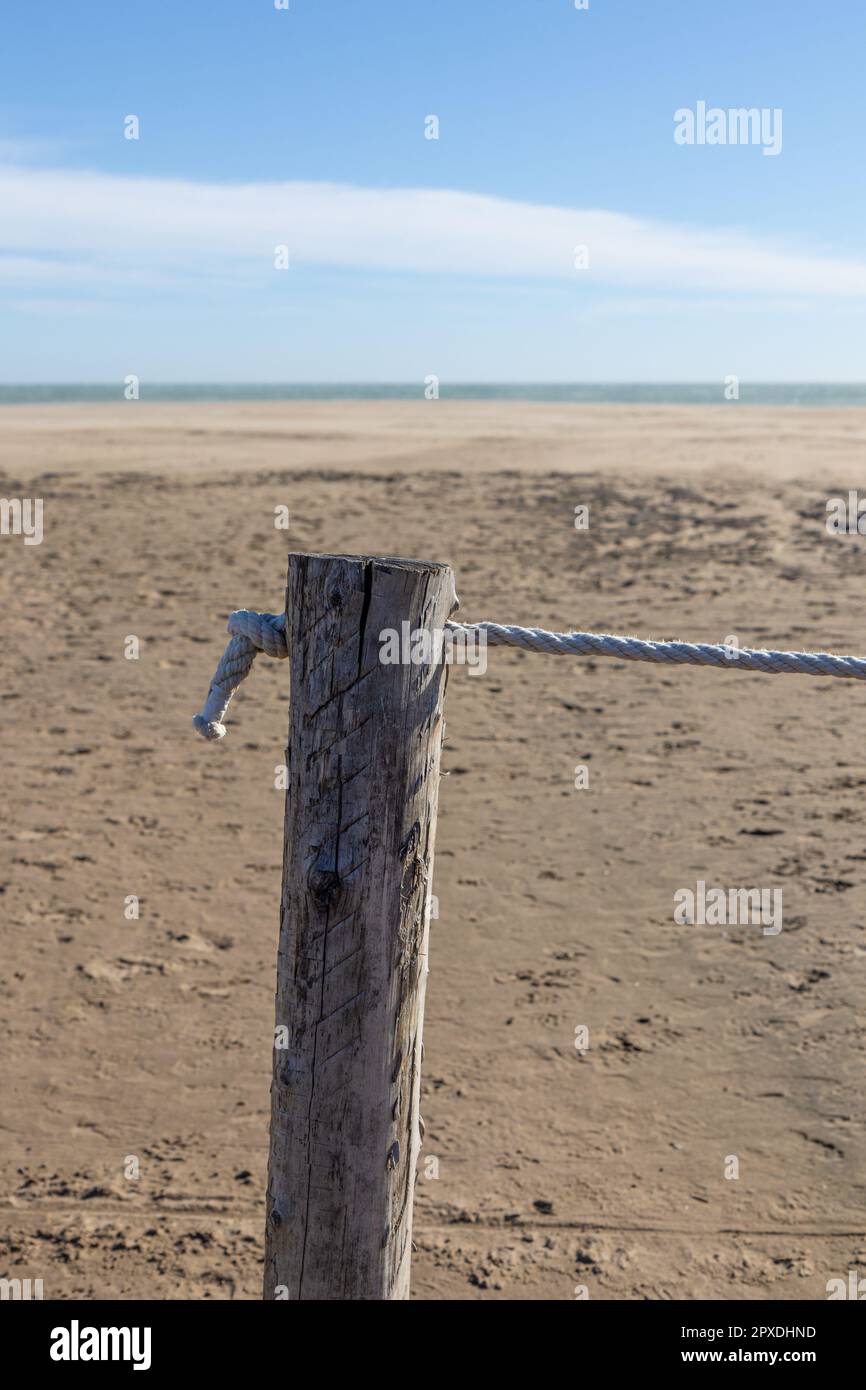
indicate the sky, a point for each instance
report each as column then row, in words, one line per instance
column 283, row 217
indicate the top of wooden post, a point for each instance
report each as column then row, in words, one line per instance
column 401, row 561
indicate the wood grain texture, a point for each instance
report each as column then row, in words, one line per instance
column 363, row 759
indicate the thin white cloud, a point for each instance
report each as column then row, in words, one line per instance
column 67, row 274
column 102, row 226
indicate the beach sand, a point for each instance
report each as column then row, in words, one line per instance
column 143, row 1046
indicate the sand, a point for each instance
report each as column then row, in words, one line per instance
column 143, row 1046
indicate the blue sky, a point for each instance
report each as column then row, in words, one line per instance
column 410, row 256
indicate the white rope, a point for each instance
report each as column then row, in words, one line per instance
column 255, row 632
column 251, row 633
column 772, row 663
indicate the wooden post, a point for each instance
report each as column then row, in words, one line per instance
column 363, row 760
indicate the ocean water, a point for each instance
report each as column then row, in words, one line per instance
column 614, row 393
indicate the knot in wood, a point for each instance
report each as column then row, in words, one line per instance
column 326, row 888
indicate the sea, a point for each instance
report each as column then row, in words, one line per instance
column 570, row 393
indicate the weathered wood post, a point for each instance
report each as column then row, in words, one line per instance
column 363, row 760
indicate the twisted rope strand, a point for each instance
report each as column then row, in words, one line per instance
column 772, row 663
column 251, row 633
column 254, row 632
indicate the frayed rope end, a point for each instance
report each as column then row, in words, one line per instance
column 208, row 728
